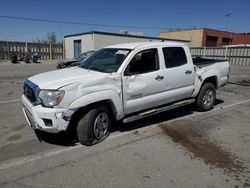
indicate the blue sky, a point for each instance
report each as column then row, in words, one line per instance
column 146, row 13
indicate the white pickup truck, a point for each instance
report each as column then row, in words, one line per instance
column 121, row 82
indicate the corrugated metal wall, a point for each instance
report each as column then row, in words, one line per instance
column 238, row 56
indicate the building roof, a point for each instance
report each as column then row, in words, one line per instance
column 204, row 28
column 122, row 35
column 133, row 45
column 179, row 30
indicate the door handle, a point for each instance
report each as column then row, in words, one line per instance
column 159, row 77
column 188, row 72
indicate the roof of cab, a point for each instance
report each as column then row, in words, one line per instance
column 134, row 45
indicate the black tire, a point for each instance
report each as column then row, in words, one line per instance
column 86, row 126
column 14, row 61
column 59, row 66
column 206, row 98
column 27, row 61
column 35, row 59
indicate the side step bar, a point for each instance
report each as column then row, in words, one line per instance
column 157, row 110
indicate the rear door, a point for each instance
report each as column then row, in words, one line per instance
column 179, row 74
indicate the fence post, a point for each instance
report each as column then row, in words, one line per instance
column 226, row 52
column 8, row 50
column 50, row 52
column 204, row 51
column 26, row 47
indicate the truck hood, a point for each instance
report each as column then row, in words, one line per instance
column 59, row 78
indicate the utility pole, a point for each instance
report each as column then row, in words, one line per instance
column 8, row 49
column 227, row 22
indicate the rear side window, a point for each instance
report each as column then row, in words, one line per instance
column 174, row 56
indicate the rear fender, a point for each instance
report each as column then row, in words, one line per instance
column 201, row 78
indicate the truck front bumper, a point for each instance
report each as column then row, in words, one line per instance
column 46, row 119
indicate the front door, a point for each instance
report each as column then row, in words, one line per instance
column 142, row 82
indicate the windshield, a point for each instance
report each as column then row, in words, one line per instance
column 84, row 55
column 106, row 60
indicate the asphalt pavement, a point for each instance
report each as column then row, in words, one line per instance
column 178, row 148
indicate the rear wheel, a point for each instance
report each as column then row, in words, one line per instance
column 27, row 60
column 94, row 126
column 206, row 97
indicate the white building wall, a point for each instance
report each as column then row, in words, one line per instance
column 87, row 44
column 95, row 41
column 69, row 46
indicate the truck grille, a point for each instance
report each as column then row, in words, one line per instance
column 29, row 93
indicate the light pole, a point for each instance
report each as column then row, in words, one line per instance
column 227, row 23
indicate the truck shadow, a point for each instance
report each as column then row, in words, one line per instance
column 62, row 138
column 68, row 139
column 154, row 119
column 159, row 118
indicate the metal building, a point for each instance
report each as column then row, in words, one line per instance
column 75, row 44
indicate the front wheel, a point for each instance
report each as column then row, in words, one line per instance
column 206, row 98
column 94, row 126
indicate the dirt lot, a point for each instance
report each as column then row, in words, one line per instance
column 179, row 148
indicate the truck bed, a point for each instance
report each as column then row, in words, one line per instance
column 201, row 61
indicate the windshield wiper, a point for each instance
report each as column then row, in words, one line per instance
column 95, row 69
column 84, row 66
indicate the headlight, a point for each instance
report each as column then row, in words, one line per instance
column 51, row 98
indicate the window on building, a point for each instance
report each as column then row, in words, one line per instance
column 143, row 62
column 174, row 57
column 226, row 41
column 211, row 41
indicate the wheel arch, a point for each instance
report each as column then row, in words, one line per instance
column 77, row 115
column 212, row 79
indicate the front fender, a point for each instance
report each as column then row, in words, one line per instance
column 100, row 96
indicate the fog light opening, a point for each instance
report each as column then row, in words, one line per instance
column 48, row 122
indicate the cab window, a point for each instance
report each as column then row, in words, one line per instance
column 143, row 62
column 174, row 56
